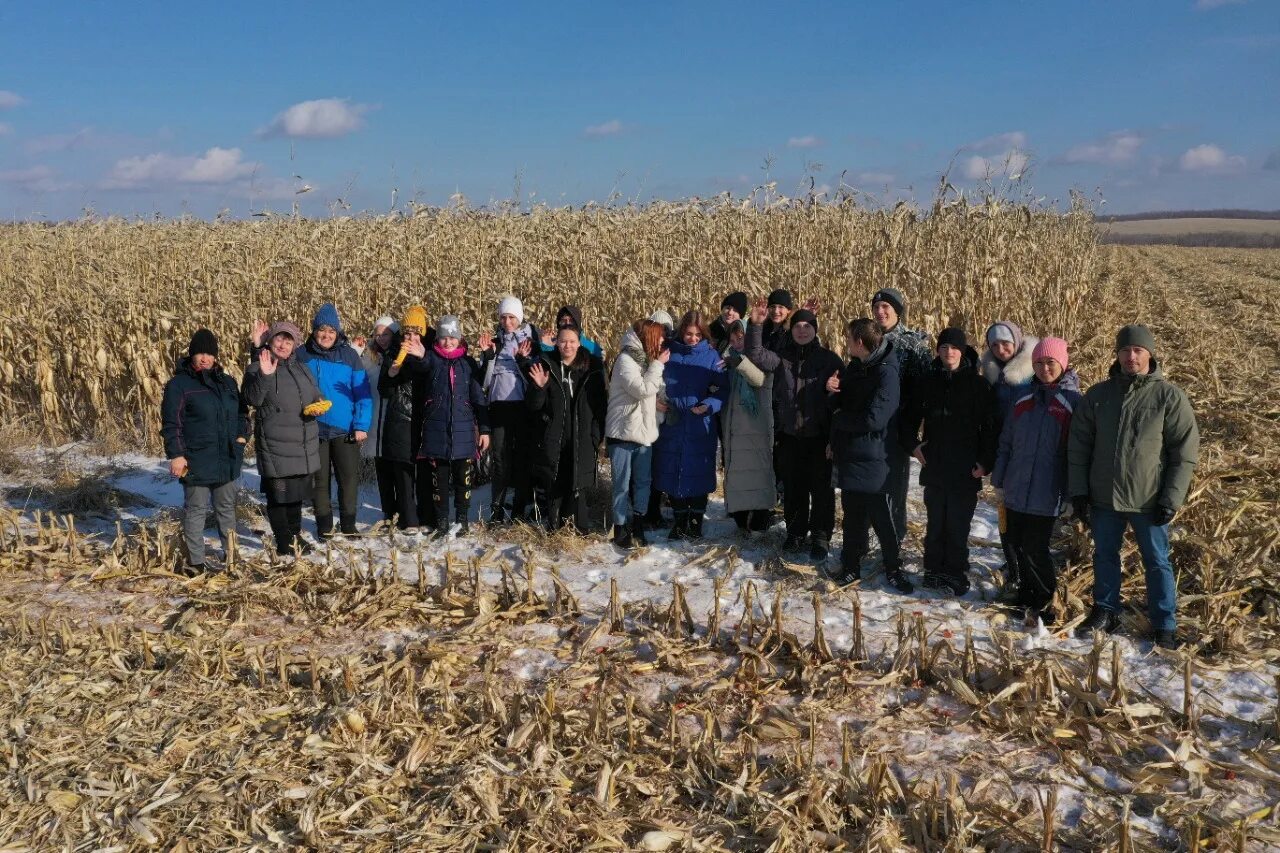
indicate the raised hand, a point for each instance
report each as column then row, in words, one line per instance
column 526, row 347
column 259, row 332
column 485, row 341
column 759, row 310
column 539, row 374
column 548, row 338
column 415, row 348
column 664, row 356
column 813, row 304
column 267, row 362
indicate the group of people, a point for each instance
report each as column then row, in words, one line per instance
column 752, row 390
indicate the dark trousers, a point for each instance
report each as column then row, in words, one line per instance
column 424, row 486
column 396, row 482
column 752, row 519
column 558, row 499
column 946, row 537
column 1027, row 537
column 286, row 525
column 451, row 476
column 509, row 453
column 897, row 485
column 696, row 504
column 341, row 457
column 863, row 510
column 808, row 499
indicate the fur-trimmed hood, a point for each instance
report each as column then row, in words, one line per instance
column 1018, row 370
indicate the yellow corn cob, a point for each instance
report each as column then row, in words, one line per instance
column 319, row 407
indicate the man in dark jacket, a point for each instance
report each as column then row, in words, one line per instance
column 803, row 423
column 205, row 428
column 864, row 401
column 732, row 309
column 1131, row 452
column 957, row 409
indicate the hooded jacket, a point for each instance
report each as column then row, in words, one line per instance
column 684, row 463
column 1134, row 443
column 203, row 419
column 633, row 394
column 1011, row 380
column 586, row 343
column 398, row 418
column 341, row 377
column 800, row 388
column 1031, row 463
column 569, row 415
column 863, row 411
column 286, row 442
column 454, row 412
column 957, row 410
column 747, row 431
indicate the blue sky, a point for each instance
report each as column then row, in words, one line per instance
column 161, row 108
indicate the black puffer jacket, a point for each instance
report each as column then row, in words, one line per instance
column 203, row 421
column 862, row 412
column 958, row 413
column 568, row 412
column 800, row 388
column 399, row 412
column 287, row 442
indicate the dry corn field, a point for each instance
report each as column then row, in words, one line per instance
column 373, row 699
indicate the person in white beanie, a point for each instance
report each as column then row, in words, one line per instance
column 505, row 356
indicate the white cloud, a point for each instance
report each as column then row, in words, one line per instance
column 1011, row 163
column 9, row 100
column 804, row 142
column 1211, row 159
column 34, row 179
column 5, row 129
column 1000, row 142
column 1205, row 5
column 1115, row 148
column 878, row 178
column 215, row 166
column 322, row 119
column 609, row 128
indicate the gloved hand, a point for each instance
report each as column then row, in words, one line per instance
column 1080, row 503
column 1162, row 515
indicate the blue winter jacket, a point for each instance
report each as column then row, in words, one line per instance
column 455, row 411
column 343, row 381
column 685, row 454
column 1031, row 464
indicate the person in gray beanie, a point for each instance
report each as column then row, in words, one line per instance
column 1132, row 449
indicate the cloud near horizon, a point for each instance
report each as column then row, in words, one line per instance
column 613, row 127
column 804, row 142
column 1113, row 149
column 9, row 100
column 1210, row 159
column 215, row 166
column 34, row 179
column 326, row 118
column 1011, row 163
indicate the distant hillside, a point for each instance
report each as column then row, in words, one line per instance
column 1249, row 229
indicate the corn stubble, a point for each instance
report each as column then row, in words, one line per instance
column 332, row 704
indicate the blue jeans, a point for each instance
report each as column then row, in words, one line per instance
column 632, row 467
column 1153, row 544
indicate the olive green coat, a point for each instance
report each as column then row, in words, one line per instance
column 1133, row 443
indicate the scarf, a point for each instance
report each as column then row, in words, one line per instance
column 747, row 396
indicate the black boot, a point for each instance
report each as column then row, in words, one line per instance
column 653, row 515
column 349, row 526
column 680, row 529
column 898, row 579
column 695, row 525
column 622, row 537
column 324, row 527
column 1099, row 619
column 637, row 531
column 819, row 548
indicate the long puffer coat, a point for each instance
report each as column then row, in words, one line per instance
column 747, row 432
column 1031, row 464
column 684, row 463
column 862, row 412
column 958, row 412
column 569, row 414
column 455, row 413
column 203, row 421
column 287, row 442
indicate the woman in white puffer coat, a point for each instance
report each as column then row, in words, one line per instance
column 631, row 426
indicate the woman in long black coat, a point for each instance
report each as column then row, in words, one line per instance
column 568, row 399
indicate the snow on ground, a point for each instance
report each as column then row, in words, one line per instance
column 1237, row 699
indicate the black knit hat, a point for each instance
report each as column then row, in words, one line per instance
column 1136, row 336
column 804, row 315
column 780, row 297
column 203, row 342
column 737, row 301
column 953, row 337
column 893, row 296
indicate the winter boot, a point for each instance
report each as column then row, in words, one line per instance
column 695, row 525
column 680, row 529
column 1099, row 619
column 819, row 548
column 622, row 537
column 324, row 527
column 1166, row 639
column 849, row 571
column 349, row 526
column 637, row 531
column 794, row 542
column 898, row 579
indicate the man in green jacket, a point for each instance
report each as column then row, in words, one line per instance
column 1130, row 455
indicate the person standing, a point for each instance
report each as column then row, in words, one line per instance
column 204, row 427
column 344, row 426
column 285, row 398
column 401, row 395
column 685, row 453
column 570, row 316
column 568, row 400
column 803, row 427
column 631, row 426
column 1132, row 450
column 504, row 359
column 778, row 309
column 732, row 309
column 746, row 424
column 957, row 410
column 372, row 352
column 1031, row 471
column 455, row 420
column 864, row 401
column 889, row 310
